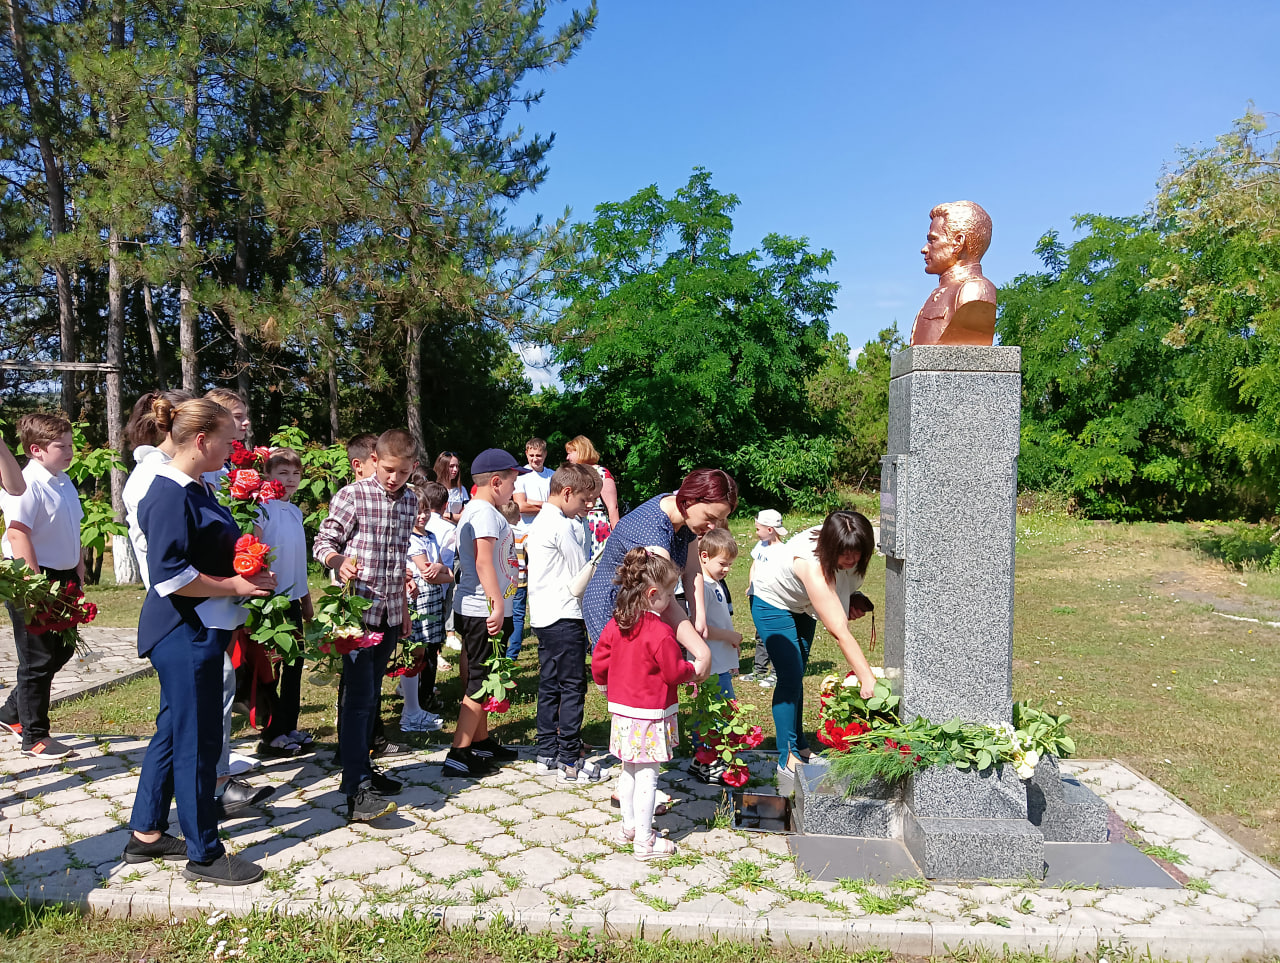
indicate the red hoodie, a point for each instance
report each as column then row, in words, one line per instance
column 642, row 668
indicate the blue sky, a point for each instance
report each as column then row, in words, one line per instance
column 845, row 122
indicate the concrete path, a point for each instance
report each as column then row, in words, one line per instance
column 111, row 658
column 544, row 855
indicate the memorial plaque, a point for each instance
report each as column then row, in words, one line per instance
column 893, row 490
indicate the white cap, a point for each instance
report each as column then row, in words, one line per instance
column 771, row 518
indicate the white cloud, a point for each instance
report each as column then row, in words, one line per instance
column 541, row 371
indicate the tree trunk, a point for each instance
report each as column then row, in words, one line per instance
column 413, row 396
column 335, row 429
column 242, row 284
column 157, row 342
column 123, row 560
column 40, row 125
column 187, row 312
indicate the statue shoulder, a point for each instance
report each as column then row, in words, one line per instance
column 976, row 289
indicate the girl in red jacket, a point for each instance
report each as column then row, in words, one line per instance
column 641, row 663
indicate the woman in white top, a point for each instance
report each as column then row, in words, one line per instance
column 448, row 472
column 809, row 577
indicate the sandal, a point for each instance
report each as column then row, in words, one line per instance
column 657, row 847
column 301, row 737
column 279, row 748
column 626, row 835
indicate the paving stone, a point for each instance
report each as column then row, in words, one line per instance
column 775, row 845
column 479, row 889
column 280, row 853
column 717, row 841
column 574, row 889
column 394, row 880
column 709, row 872
column 1137, row 800
column 550, row 830
column 516, row 814
column 447, row 862
column 668, row 888
column 422, row 841
column 621, row 870
column 469, row 828
column 757, row 901
column 538, row 866
column 1224, row 909
column 309, row 823
column 718, row 906
column 339, row 838
column 419, row 797
column 1184, row 916
column 1248, row 880
column 483, row 798
column 1209, row 858
column 362, row 859
column 577, row 849
column 553, row 803
column 23, row 844
column 590, row 817
column 500, row 846
column 618, row 901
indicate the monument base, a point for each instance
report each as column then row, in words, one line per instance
column 951, row 848
column 822, row 807
column 1062, row 809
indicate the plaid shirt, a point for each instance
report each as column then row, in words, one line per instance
column 372, row 526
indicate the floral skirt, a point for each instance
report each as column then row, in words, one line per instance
column 644, row 740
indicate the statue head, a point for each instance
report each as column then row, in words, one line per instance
column 959, row 233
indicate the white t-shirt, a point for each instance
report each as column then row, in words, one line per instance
column 446, row 534
column 556, row 548
column 50, row 507
column 458, row 497
column 481, row 520
column 423, row 543
column 535, row 486
column 724, row 657
column 777, row 584
column 282, row 529
column 147, row 462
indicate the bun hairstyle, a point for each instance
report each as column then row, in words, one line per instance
column 640, row 570
column 142, row 428
column 190, row 418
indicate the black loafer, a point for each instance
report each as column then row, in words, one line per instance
column 239, row 796
column 166, row 847
column 226, row 870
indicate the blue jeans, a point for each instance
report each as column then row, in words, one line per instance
column 182, row 759
column 788, row 637
column 519, row 603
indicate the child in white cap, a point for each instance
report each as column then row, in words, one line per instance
column 769, row 532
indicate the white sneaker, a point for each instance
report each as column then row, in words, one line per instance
column 442, row 664
column 453, row 641
column 420, row 722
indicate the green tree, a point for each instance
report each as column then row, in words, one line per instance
column 678, row 352
column 852, row 398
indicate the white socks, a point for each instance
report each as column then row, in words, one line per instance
column 638, row 795
column 409, row 689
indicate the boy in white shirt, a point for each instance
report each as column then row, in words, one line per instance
column 482, row 604
column 557, row 548
column 531, row 491
column 769, row 532
column 717, row 551
column 43, row 530
column 280, row 526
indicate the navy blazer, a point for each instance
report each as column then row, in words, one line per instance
column 188, row 533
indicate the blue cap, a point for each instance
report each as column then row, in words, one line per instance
column 495, row 459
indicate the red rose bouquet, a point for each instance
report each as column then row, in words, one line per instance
column 719, row 723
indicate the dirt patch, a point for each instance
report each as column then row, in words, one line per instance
column 1215, row 588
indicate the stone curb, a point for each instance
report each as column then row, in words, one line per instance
column 93, row 688
column 903, row 938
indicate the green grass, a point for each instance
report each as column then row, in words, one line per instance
column 55, row 935
column 1117, row 623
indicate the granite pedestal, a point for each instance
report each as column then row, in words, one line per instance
column 948, row 510
column 1062, row 809
column 825, row 807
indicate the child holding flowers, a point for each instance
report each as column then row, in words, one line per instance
column 640, row 662
column 280, row 528
column 431, row 578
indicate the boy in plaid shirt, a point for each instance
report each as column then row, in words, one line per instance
column 431, row 577
column 365, row 540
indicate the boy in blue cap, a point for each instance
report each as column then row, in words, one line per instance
column 482, row 605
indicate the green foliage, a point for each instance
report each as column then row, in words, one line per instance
column 677, row 352
column 325, row 469
column 884, row 900
column 1243, row 546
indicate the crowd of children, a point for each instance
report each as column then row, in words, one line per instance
column 432, row 559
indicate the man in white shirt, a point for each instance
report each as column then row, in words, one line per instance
column 531, row 491
column 557, row 550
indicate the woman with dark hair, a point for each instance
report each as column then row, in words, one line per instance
column 811, row 576
column 668, row 523
column 448, row 472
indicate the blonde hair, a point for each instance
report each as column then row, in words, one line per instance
column 227, row 397
column 718, row 542
column 586, row 452
column 640, row 570
column 183, row 422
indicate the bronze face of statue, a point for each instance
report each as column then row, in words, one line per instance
column 962, row 308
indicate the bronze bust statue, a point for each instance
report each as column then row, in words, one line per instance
column 962, row 308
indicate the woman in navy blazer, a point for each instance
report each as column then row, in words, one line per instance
column 184, row 629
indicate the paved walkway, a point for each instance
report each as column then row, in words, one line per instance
column 546, row 856
column 111, row 657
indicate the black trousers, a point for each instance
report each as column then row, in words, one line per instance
column 40, row 656
column 562, row 690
